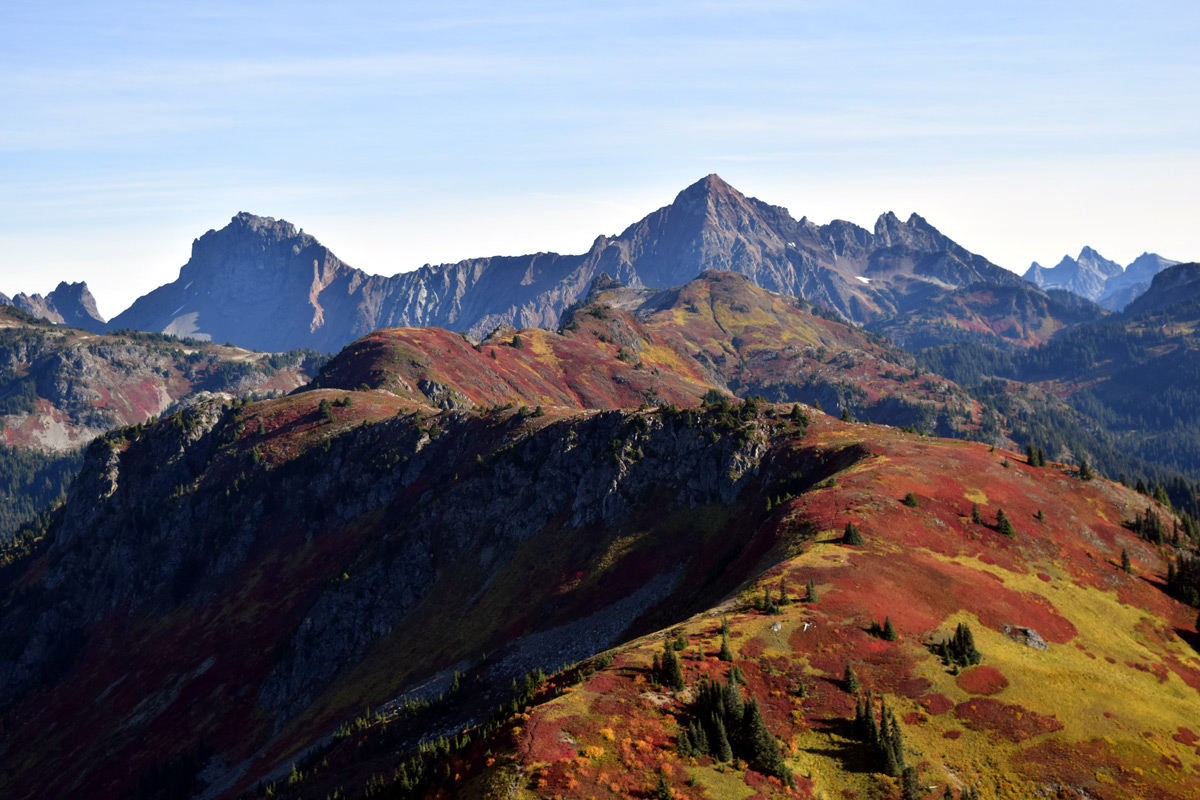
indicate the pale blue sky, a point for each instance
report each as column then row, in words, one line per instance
column 401, row 134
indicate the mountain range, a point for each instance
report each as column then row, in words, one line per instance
column 262, row 283
column 622, row 552
column 1094, row 277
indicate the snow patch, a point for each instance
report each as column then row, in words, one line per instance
column 861, row 278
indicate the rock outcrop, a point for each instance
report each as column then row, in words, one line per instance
column 69, row 304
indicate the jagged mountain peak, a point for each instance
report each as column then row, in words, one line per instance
column 1085, row 276
column 70, row 304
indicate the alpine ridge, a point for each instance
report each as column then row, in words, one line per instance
column 69, row 304
column 261, row 283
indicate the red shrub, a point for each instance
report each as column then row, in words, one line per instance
column 982, row 680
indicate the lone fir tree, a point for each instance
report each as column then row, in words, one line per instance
column 851, row 535
column 850, row 680
column 1003, row 524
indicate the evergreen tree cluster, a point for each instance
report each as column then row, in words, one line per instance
column 882, row 736
column 1149, row 526
column 1035, row 457
column 724, row 725
column 765, row 603
column 1183, row 579
column 886, row 631
column 959, row 650
column 33, row 480
column 667, row 671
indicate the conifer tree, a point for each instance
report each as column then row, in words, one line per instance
column 1041, row 516
column 1041, row 458
column 726, row 654
column 1003, row 524
column 889, row 632
column 721, row 750
column 731, row 698
column 760, row 745
column 683, row 745
column 1126, row 565
column 663, row 790
column 672, row 672
column 851, row 535
column 846, row 415
column 910, row 500
column 975, row 516
column 1030, row 455
column 909, row 789
column 860, row 719
column 784, row 600
column 810, row 591
column 1085, row 470
column 948, row 794
column 699, row 737
column 850, row 680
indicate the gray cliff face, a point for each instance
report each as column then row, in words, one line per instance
column 69, row 304
column 261, row 283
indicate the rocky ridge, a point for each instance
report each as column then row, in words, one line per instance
column 264, row 284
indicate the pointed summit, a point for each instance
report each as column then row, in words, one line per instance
column 69, row 304
column 707, row 194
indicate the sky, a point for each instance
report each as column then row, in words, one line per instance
column 401, row 134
